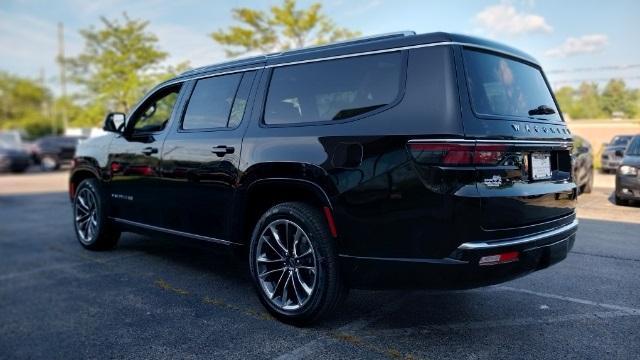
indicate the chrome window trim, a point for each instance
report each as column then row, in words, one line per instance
column 209, row 75
column 532, row 238
column 401, row 48
column 173, row 232
column 364, row 53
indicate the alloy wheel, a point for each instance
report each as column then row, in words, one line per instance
column 286, row 265
column 86, row 215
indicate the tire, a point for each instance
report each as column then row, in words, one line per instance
column 622, row 202
column 93, row 229
column 588, row 187
column 19, row 170
column 295, row 294
column 49, row 163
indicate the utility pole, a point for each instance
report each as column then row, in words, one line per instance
column 63, row 78
column 44, row 106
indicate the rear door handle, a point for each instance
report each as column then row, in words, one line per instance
column 222, row 150
column 150, row 150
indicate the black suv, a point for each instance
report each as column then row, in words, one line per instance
column 430, row 161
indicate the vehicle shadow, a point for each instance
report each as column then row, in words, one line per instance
column 612, row 200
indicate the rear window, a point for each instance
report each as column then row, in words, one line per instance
column 500, row 86
column 333, row 89
column 620, row 140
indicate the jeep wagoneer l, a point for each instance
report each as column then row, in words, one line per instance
column 402, row 160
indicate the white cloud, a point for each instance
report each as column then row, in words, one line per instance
column 585, row 44
column 505, row 19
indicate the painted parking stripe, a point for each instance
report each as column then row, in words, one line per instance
column 307, row 350
column 632, row 311
column 487, row 324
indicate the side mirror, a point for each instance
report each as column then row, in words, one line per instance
column 114, row 122
column 619, row 153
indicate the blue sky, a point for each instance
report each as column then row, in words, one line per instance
column 565, row 36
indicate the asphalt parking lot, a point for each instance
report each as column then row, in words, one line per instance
column 154, row 298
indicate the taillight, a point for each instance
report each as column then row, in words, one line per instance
column 456, row 154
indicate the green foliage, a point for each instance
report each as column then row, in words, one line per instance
column 24, row 104
column 617, row 98
column 283, row 27
column 120, row 61
column 587, row 102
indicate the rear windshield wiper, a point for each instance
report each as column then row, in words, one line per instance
column 542, row 110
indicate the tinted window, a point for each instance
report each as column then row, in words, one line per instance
column 333, row 89
column 634, row 147
column 240, row 102
column 155, row 113
column 620, row 140
column 501, row 86
column 211, row 101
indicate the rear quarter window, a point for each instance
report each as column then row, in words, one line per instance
column 500, row 86
column 331, row 90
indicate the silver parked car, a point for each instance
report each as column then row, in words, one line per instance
column 609, row 161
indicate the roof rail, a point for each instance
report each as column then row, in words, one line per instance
column 261, row 58
column 353, row 41
column 228, row 64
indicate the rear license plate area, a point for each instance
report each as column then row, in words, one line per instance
column 540, row 165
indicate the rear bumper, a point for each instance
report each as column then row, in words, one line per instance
column 461, row 269
column 14, row 163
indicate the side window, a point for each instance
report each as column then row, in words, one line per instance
column 155, row 113
column 211, row 102
column 333, row 89
column 634, row 147
column 240, row 102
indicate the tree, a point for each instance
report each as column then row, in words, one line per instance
column 284, row 27
column 566, row 98
column 588, row 104
column 617, row 98
column 25, row 104
column 120, row 61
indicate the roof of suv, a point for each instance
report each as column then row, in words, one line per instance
column 406, row 39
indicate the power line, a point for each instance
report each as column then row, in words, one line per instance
column 594, row 68
column 573, row 81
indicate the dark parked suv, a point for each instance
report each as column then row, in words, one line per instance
column 627, row 175
column 429, row 161
column 52, row 151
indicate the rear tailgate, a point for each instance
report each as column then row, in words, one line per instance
column 529, row 180
column 530, row 184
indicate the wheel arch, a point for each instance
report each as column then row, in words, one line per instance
column 262, row 194
column 79, row 174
